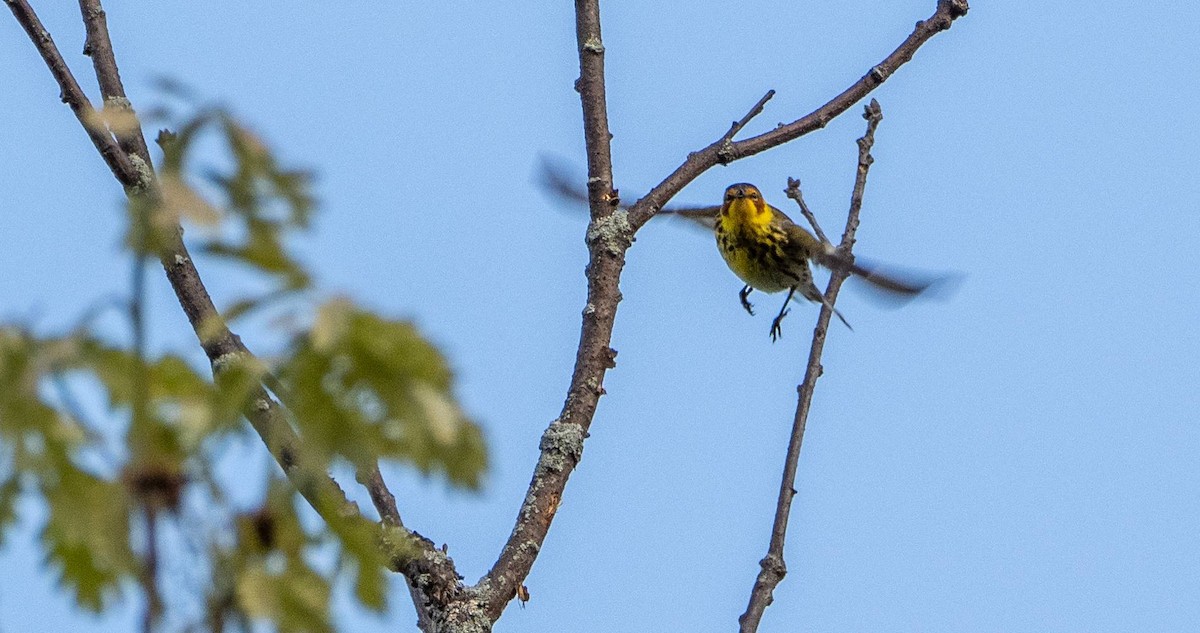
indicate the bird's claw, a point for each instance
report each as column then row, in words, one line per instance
column 777, row 325
column 743, row 295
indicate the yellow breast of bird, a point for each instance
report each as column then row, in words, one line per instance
column 757, row 254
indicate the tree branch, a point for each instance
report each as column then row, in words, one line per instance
column 130, row 162
column 773, row 566
column 72, row 95
column 149, row 575
column 99, row 47
column 722, row 151
column 793, row 192
column 609, row 235
column 738, row 125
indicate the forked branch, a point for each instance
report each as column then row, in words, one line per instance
column 773, row 566
column 609, row 235
column 722, row 151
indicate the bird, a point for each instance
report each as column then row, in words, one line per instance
column 766, row 249
column 771, row 253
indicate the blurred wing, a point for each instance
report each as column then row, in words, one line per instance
column 699, row 216
column 895, row 284
column 556, row 179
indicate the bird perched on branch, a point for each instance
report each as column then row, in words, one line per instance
column 766, row 249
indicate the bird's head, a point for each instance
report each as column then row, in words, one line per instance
column 745, row 201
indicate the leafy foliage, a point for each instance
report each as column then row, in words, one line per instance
column 86, row 536
column 274, row 579
column 357, row 386
column 262, row 203
column 364, row 387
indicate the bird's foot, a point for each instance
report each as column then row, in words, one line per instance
column 743, row 295
column 777, row 325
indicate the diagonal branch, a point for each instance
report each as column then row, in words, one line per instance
column 793, row 192
column 128, row 158
column 73, row 95
column 723, row 152
column 773, row 567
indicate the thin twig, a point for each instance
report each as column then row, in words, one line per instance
column 720, row 152
column 369, row 477
column 793, row 192
column 755, row 111
column 602, row 196
column 382, row 498
column 154, row 602
column 99, row 47
column 773, row 566
column 385, row 505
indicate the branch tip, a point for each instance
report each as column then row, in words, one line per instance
column 741, row 123
column 954, row 8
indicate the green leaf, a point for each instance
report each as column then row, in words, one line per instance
column 303, row 600
column 185, row 406
column 359, row 539
column 21, row 410
column 259, row 177
column 37, row 435
column 370, row 587
column 262, row 201
column 263, row 250
column 364, row 387
column 87, row 535
column 275, row 582
column 294, row 597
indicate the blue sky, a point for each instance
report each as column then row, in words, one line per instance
column 1021, row 456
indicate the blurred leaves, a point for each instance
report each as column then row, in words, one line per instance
column 148, row 433
column 274, row 579
column 87, row 534
column 259, row 202
column 363, row 559
column 364, row 387
column 185, row 407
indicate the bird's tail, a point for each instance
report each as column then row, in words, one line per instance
column 812, row 293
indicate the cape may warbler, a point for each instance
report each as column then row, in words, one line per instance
column 771, row 253
column 764, row 247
